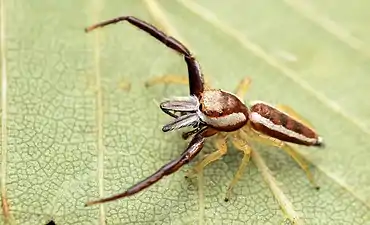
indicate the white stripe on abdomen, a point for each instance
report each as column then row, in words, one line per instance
column 257, row 118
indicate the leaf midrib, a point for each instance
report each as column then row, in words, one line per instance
column 4, row 131
column 99, row 114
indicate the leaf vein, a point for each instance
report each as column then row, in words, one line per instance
column 284, row 202
column 328, row 25
column 99, row 119
column 4, row 130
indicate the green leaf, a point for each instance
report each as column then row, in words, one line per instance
column 73, row 130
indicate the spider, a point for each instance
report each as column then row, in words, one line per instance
column 215, row 112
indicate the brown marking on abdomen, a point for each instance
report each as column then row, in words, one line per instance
column 279, row 118
column 278, row 135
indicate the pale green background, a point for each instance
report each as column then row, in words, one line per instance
column 66, row 119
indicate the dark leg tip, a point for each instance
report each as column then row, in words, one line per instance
column 88, row 29
column 185, row 136
column 317, row 188
column 226, row 199
column 165, row 129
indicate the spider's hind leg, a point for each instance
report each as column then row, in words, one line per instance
column 286, row 148
column 300, row 161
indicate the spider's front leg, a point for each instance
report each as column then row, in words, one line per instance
column 196, row 82
column 194, row 147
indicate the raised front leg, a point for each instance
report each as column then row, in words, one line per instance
column 195, row 74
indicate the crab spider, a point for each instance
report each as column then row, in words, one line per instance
column 214, row 112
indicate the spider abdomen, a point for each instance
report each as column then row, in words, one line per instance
column 275, row 123
column 222, row 110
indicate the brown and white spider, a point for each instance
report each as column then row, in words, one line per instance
column 214, row 112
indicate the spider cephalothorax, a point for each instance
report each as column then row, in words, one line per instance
column 222, row 110
column 215, row 108
column 212, row 112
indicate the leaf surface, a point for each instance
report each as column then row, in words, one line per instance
column 78, row 123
